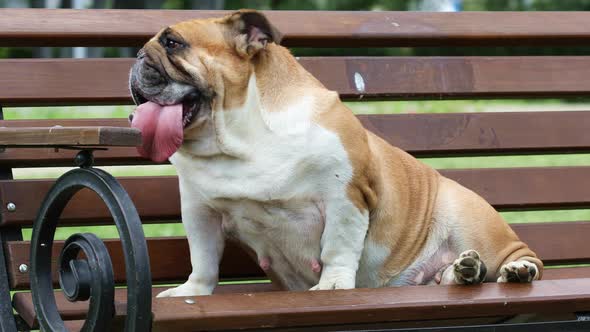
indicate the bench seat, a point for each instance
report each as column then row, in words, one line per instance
column 262, row 305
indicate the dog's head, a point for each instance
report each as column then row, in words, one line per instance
column 190, row 69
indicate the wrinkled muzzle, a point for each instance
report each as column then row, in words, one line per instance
column 165, row 108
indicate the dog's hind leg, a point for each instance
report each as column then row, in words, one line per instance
column 519, row 271
column 468, row 269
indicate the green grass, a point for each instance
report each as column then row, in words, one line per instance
column 359, row 108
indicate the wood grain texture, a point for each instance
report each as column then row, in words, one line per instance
column 69, row 136
column 169, row 261
column 278, row 309
column 555, row 243
column 76, row 325
column 157, row 199
column 423, row 135
column 22, row 27
column 23, row 302
column 34, row 82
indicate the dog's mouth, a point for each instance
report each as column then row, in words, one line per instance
column 162, row 124
column 191, row 105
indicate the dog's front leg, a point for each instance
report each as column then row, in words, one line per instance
column 206, row 242
column 342, row 244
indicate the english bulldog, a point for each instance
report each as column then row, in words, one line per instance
column 268, row 156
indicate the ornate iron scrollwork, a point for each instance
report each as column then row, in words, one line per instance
column 91, row 277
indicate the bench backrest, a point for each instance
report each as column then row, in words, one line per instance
column 47, row 82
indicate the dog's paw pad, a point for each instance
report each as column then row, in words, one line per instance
column 519, row 271
column 469, row 269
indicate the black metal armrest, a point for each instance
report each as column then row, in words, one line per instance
column 91, row 277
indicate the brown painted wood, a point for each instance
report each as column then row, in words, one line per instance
column 555, row 243
column 69, row 136
column 278, row 309
column 64, row 82
column 420, row 134
column 76, row 325
column 321, row 29
column 23, row 305
column 169, row 261
column 454, row 134
column 23, row 302
column 524, row 188
column 27, row 82
column 157, row 198
column 566, row 273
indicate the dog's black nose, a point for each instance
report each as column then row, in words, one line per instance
column 131, row 117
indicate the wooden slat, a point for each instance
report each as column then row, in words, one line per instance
column 72, row 311
column 511, row 189
column 279, row 309
column 555, row 243
column 36, row 82
column 23, row 302
column 454, row 134
column 17, row 157
column 439, row 135
column 23, row 27
column 26, row 82
column 76, row 325
column 566, row 273
column 157, row 198
column 69, row 136
column 236, row 263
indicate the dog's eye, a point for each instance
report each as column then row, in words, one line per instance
column 172, row 44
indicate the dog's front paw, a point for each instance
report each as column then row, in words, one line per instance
column 336, row 278
column 519, row 271
column 186, row 289
column 468, row 269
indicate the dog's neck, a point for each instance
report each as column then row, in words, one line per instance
column 281, row 79
column 281, row 99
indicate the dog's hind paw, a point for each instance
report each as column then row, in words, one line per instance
column 519, row 271
column 469, row 269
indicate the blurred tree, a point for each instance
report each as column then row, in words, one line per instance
column 561, row 5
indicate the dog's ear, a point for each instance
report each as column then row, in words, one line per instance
column 251, row 32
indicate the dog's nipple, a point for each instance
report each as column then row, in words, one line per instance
column 130, row 117
column 264, row 263
column 316, row 266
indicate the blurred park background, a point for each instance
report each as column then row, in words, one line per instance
column 359, row 107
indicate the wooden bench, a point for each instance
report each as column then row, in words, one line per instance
column 562, row 297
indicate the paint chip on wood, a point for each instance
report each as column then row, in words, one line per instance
column 359, row 82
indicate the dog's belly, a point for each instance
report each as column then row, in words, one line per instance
column 284, row 235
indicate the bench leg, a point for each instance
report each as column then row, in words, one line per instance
column 7, row 322
column 91, row 278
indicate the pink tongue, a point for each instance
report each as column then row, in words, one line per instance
column 161, row 130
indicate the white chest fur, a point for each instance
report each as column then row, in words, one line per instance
column 277, row 172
